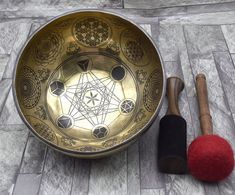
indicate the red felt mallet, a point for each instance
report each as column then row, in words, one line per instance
column 210, row 157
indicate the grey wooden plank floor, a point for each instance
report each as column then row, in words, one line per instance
column 193, row 36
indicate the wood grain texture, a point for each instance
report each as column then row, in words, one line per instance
column 133, row 169
column 57, row 175
column 149, row 174
column 27, row 184
column 59, row 4
column 222, row 18
column 147, row 28
column 233, row 57
column 36, row 25
column 212, row 189
column 173, row 48
column 202, row 61
column 172, row 41
column 81, row 177
column 122, row 173
column 34, row 156
column 12, row 143
column 183, row 184
column 21, row 37
column 226, row 70
column 5, row 86
column 229, row 34
column 153, row 191
column 202, row 40
column 169, row 3
column 47, row 11
column 3, row 62
column 211, row 8
column 9, row 114
column 8, row 36
column 203, row 104
column 108, row 176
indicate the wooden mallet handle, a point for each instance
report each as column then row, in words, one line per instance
column 174, row 86
column 204, row 111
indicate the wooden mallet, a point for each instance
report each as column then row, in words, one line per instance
column 210, row 157
column 172, row 155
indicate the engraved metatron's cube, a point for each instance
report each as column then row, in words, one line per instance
column 57, row 88
column 100, row 132
column 64, row 122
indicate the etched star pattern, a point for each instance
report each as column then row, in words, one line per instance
column 92, row 98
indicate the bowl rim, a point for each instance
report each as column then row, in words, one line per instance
column 115, row 147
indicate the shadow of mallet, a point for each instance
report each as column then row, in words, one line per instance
column 172, row 145
column 210, row 157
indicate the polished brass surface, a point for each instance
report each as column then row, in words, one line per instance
column 88, row 83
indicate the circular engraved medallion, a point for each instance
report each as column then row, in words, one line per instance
column 30, row 87
column 133, row 48
column 48, row 48
column 152, row 93
column 91, row 31
column 42, row 129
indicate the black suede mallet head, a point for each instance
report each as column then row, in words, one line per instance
column 172, row 139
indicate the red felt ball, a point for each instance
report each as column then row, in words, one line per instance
column 210, row 158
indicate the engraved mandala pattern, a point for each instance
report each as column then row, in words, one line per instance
column 41, row 112
column 44, row 131
column 140, row 115
column 88, row 149
column 67, row 141
column 136, row 128
column 63, row 24
column 151, row 91
column 141, row 76
column 134, row 48
column 91, row 31
column 30, row 88
column 113, row 48
column 133, row 51
column 43, row 74
column 110, row 143
column 48, row 48
column 73, row 48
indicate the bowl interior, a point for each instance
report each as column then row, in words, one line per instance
column 88, row 81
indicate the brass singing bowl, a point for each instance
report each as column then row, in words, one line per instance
column 88, row 83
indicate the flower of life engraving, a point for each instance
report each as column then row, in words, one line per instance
column 91, row 31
